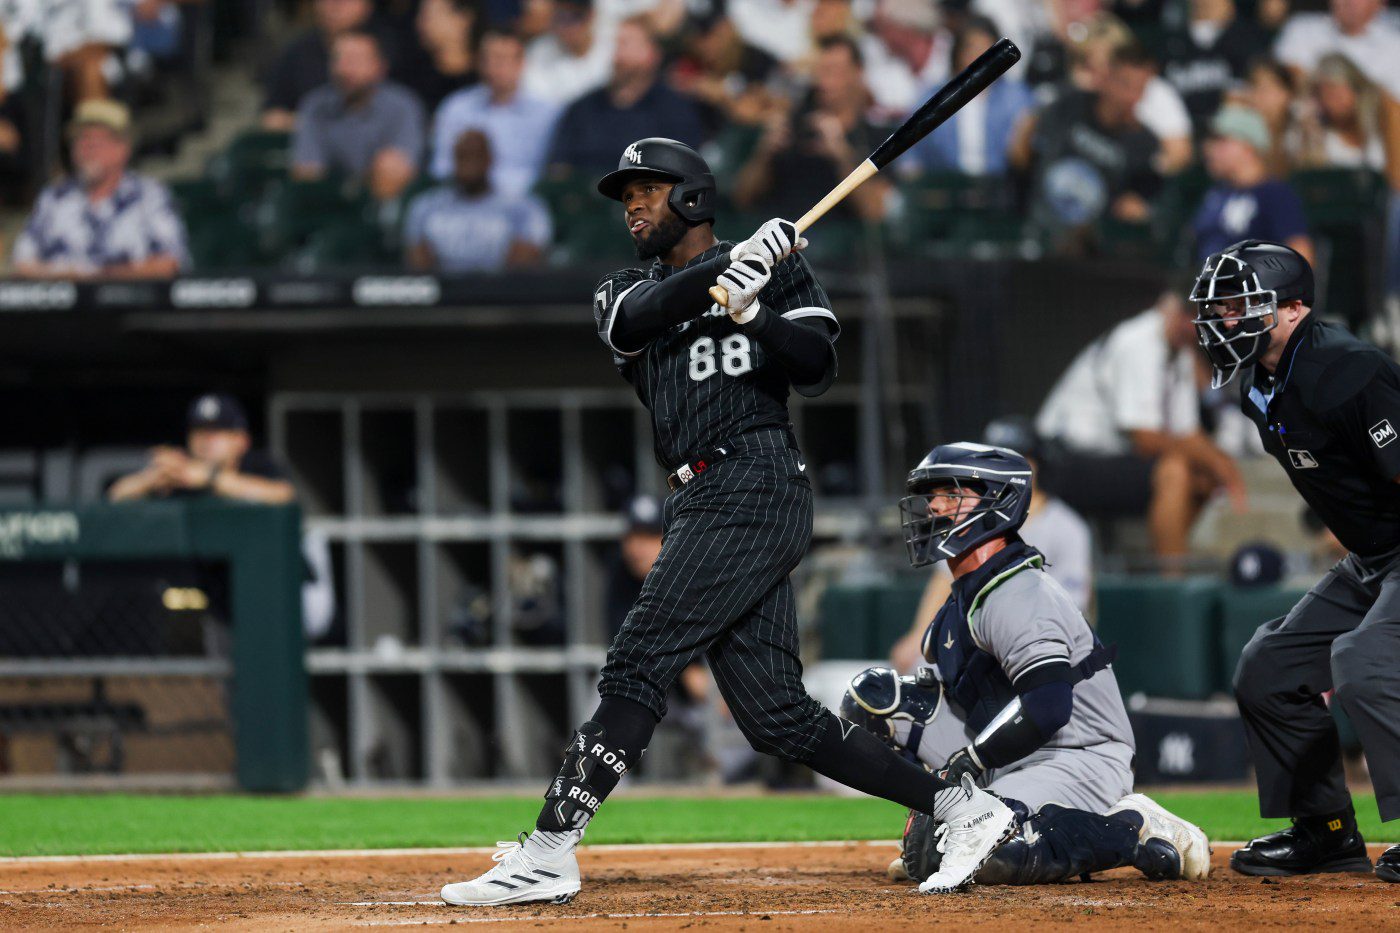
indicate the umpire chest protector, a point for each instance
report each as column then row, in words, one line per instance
column 972, row 677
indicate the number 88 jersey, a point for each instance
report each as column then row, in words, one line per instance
column 706, row 381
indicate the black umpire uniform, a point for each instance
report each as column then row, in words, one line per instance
column 1328, row 413
column 740, row 517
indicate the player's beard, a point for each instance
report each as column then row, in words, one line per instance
column 662, row 238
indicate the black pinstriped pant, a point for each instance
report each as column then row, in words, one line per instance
column 720, row 589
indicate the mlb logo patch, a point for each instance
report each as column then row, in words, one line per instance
column 1382, row 433
column 1302, row 460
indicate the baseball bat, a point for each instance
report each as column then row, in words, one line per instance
column 948, row 100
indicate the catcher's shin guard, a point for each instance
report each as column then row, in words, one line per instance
column 592, row 768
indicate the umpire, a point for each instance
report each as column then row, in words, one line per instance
column 1327, row 406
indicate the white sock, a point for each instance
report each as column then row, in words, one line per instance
column 551, row 846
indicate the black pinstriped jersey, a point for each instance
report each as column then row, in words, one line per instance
column 705, row 381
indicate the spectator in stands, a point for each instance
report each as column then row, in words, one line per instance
column 361, row 123
column 977, row 138
column 1210, row 56
column 518, row 125
column 218, row 459
column 1356, row 29
column 447, row 62
column 79, row 36
column 729, row 80
column 1057, row 530
column 635, row 104
column 1246, row 201
column 1159, row 109
column 304, row 63
column 782, row 28
column 802, row 155
column 468, row 227
column 156, row 29
column 1087, row 155
column 907, row 54
column 573, row 58
column 104, row 221
column 1269, row 92
column 1342, row 129
column 1122, row 428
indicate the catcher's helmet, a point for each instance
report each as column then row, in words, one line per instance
column 1263, row 275
column 693, row 196
column 999, row 478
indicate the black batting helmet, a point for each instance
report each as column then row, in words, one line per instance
column 693, row 196
column 1264, row 275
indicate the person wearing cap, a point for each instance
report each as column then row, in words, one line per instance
column 1246, row 201
column 103, row 221
column 635, row 103
column 573, row 58
column 217, row 460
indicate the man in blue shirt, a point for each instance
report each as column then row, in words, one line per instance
column 518, row 125
column 360, row 124
column 469, row 227
column 1246, row 203
column 635, row 104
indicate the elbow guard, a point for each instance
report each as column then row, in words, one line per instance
column 1042, row 709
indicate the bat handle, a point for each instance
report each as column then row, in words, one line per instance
column 720, row 295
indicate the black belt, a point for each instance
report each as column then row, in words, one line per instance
column 692, row 469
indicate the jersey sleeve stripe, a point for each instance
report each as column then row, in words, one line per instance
column 612, row 316
column 796, row 313
column 1038, row 662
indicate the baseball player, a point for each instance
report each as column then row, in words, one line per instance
column 738, row 520
column 1018, row 695
column 1327, row 407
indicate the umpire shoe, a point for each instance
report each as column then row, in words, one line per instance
column 968, row 837
column 1388, row 865
column 1312, row 845
column 518, row 878
column 1161, row 825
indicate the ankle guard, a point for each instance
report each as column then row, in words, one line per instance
column 591, row 770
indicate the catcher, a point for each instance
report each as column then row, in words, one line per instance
column 1018, row 694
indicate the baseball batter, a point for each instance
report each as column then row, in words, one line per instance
column 739, row 518
column 1019, row 694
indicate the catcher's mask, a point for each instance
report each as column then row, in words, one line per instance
column 997, row 478
column 1237, row 296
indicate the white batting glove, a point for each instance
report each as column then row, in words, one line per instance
column 773, row 242
column 743, row 280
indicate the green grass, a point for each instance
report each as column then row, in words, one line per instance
column 32, row 824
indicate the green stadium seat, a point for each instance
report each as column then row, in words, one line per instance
column 196, row 196
column 949, row 211
column 251, row 162
column 221, row 241
column 292, row 211
column 1346, row 213
column 1166, row 631
column 339, row 247
column 895, row 605
column 847, row 614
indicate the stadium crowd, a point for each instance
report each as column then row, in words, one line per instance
column 460, row 135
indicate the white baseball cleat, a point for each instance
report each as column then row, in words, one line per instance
column 967, row 839
column 518, row 878
column 1187, row 838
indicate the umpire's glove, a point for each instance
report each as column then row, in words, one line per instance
column 963, row 761
column 744, row 279
column 773, row 242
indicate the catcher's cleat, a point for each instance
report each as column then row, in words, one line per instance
column 1159, row 823
column 973, row 830
column 1388, row 865
column 518, row 878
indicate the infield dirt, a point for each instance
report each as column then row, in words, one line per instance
column 760, row 888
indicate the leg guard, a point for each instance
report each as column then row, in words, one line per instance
column 896, row 709
column 592, row 768
column 1058, row 844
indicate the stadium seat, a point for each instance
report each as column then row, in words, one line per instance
column 340, row 247
column 291, row 211
column 949, row 210
column 847, row 614
column 1166, row 631
column 222, row 241
column 584, row 229
column 251, row 162
column 1346, row 212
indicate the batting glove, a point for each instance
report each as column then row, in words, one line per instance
column 963, row 761
column 773, row 242
column 743, row 280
